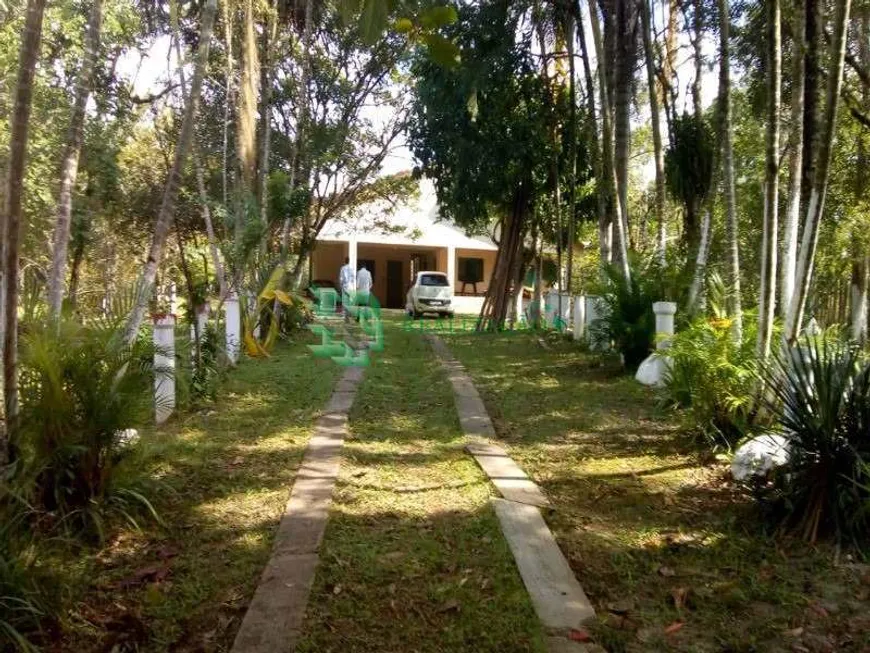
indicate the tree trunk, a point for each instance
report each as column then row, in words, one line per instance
column 170, row 191
column 669, row 69
column 626, row 22
column 698, row 28
column 266, row 109
column 614, row 220
column 11, row 217
column 246, row 128
column 858, row 285
column 658, row 148
column 598, row 168
column 70, row 163
column 696, row 300
column 229, row 99
column 727, row 140
column 769, row 249
column 818, row 192
column 301, row 119
column 814, row 17
column 858, row 296
column 572, row 145
column 795, row 161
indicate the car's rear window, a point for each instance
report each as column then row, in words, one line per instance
column 433, row 280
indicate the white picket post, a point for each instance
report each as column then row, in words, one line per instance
column 164, row 367
column 233, row 327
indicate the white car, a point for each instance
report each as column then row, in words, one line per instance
column 430, row 293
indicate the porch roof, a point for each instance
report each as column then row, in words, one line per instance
column 414, row 223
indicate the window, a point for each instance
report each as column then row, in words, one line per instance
column 434, row 280
column 470, row 270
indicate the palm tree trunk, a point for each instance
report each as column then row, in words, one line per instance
column 266, row 73
column 598, row 168
column 727, row 140
column 614, row 221
column 818, row 192
column 170, row 191
column 246, row 128
column 795, row 161
column 626, row 22
column 858, row 281
column 10, row 219
column 226, row 173
column 572, row 145
column 767, row 298
column 301, row 119
column 698, row 28
column 70, row 163
column 658, row 149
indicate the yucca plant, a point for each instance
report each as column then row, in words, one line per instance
column 81, row 386
column 820, row 395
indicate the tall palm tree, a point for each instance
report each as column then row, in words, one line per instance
column 10, row 217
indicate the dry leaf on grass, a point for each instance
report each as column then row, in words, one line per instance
column 674, row 627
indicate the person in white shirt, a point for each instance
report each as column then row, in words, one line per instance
column 346, row 282
column 363, row 285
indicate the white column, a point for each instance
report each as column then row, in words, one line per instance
column 655, row 368
column 664, row 323
column 451, row 267
column 351, row 253
column 579, row 319
column 233, row 326
column 164, row 367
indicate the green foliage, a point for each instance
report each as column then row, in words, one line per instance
column 627, row 320
column 480, row 129
column 712, row 377
column 81, row 386
column 689, row 164
column 22, row 600
column 820, row 396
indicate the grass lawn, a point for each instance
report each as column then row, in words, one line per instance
column 672, row 555
column 221, row 477
column 413, row 558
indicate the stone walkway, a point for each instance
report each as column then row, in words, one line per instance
column 559, row 601
column 275, row 615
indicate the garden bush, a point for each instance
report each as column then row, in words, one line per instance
column 81, row 385
column 713, row 377
column 628, row 321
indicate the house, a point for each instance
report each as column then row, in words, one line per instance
column 396, row 245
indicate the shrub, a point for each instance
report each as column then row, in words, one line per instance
column 713, row 378
column 628, row 320
column 80, row 386
column 820, row 396
column 22, row 604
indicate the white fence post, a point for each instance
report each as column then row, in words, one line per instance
column 201, row 323
column 579, row 319
column 655, row 367
column 664, row 323
column 164, row 367
column 233, row 327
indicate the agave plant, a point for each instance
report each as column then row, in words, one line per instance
column 820, row 395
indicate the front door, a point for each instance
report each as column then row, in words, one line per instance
column 395, row 285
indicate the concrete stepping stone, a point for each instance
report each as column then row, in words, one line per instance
column 558, row 599
column 274, row 617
